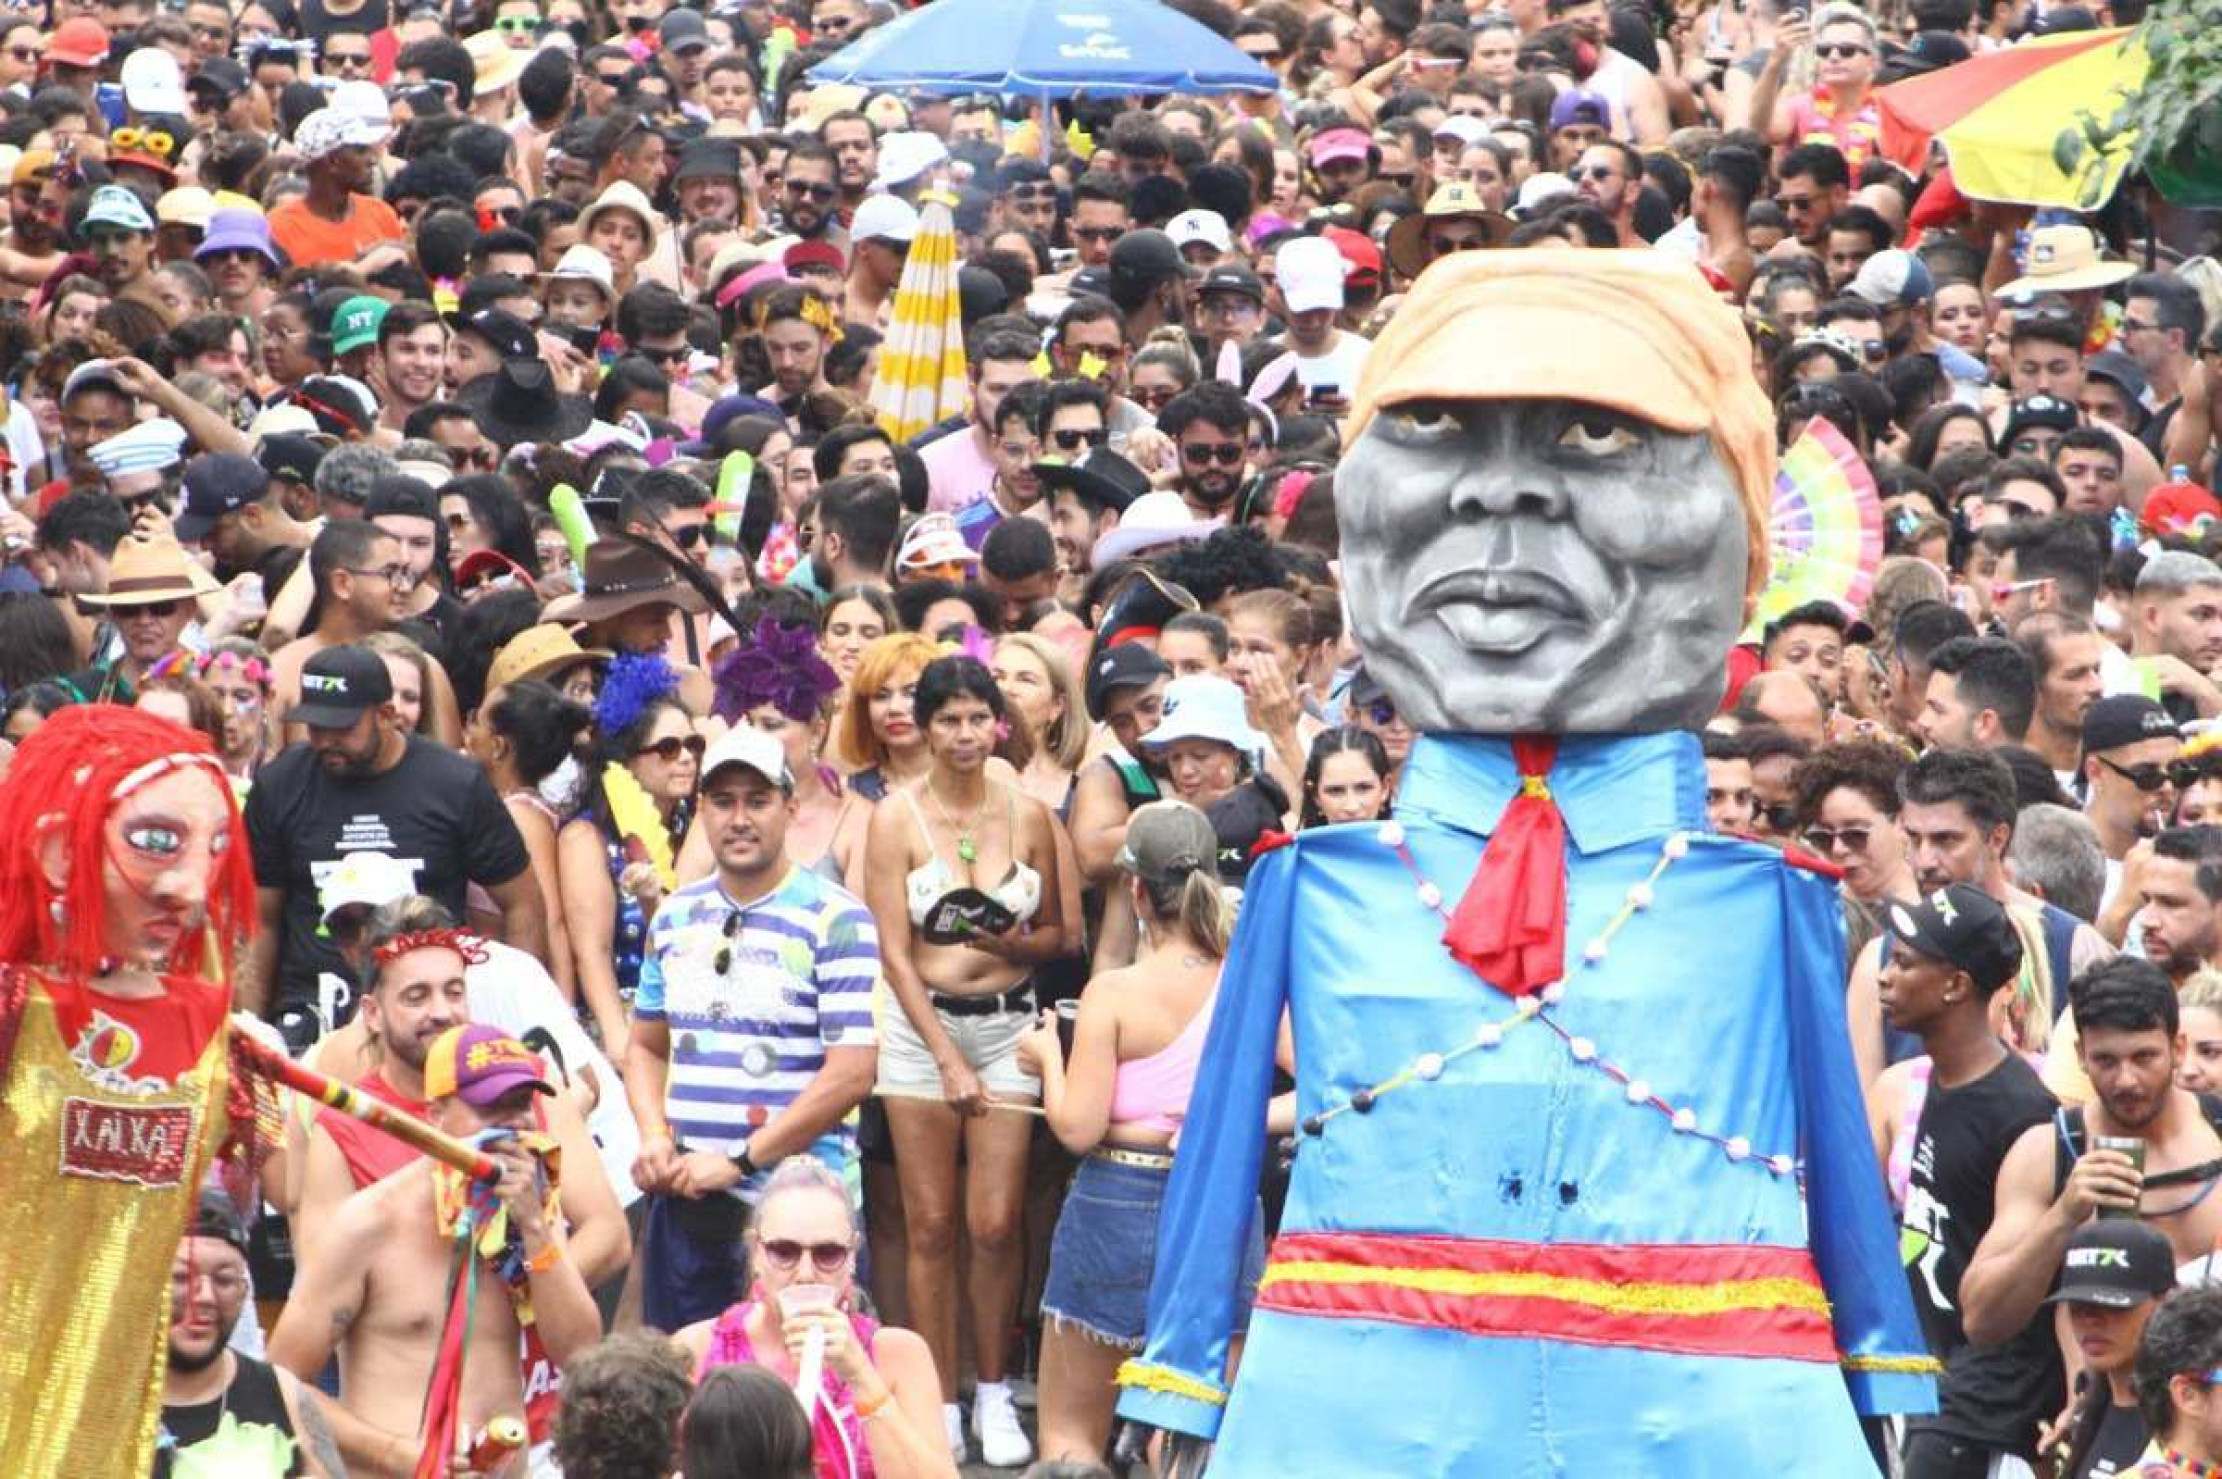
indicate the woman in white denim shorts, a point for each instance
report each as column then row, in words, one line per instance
column 962, row 876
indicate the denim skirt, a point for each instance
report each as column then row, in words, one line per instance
column 1105, row 1248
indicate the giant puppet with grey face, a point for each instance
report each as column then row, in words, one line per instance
column 1583, row 1182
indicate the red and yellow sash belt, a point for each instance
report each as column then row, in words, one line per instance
column 1708, row 1300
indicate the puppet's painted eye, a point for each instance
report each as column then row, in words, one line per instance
column 1420, row 421
column 155, row 841
column 1597, row 436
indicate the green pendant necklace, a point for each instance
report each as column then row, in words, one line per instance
column 968, row 848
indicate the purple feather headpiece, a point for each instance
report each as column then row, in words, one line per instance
column 634, row 681
column 777, row 664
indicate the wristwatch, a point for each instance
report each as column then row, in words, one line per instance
column 744, row 1165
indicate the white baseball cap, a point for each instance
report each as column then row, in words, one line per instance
column 745, row 744
column 1208, row 227
column 153, row 82
column 884, row 218
column 1309, row 270
column 905, row 155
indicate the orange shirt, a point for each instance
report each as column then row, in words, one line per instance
column 307, row 237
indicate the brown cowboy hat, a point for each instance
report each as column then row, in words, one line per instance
column 145, row 571
column 1408, row 252
column 539, row 652
column 619, row 578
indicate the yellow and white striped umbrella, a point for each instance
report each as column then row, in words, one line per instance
column 921, row 378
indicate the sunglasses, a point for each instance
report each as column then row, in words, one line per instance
column 1824, row 841
column 687, row 536
column 1591, row 172
column 1839, row 51
column 613, row 79
column 1070, row 440
column 669, row 748
column 2146, row 777
column 1381, row 711
column 1154, row 397
column 1226, row 454
column 677, row 356
column 347, row 59
column 495, row 579
column 24, row 53
column 159, row 610
column 785, row 1253
column 518, row 25
column 1098, row 233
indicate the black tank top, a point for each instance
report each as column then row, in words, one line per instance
column 252, row 1400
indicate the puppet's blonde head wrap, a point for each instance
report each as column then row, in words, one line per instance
column 1636, row 332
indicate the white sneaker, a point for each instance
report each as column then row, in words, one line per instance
column 1003, row 1443
column 952, row 1419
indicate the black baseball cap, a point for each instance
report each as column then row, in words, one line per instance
column 290, row 455
column 2117, row 1263
column 510, row 335
column 1140, row 260
column 216, row 484
column 337, row 684
column 1128, row 665
column 219, row 75
column 1964, row 928
column 2041, row 411
column 218, row 1217
column 1233, row 277
column 402, row 496
column 2124, row 719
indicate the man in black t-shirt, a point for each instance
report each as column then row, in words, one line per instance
column 1950, row 953
column 360, row 784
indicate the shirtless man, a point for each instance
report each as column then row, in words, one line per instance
column 408, row 1003
column 372, row 1284
column 2125, row 1017
column 31, row 248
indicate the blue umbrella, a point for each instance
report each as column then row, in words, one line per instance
column 1046, row 48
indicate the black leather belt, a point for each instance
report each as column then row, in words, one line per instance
column 1017, row 999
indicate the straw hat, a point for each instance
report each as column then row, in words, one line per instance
column 1408, row 252
column 539, row 652
column 2066, row 259
column 145, row 571
column 495, row 62
column 622, row 195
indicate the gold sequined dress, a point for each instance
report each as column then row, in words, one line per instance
column 109, row 1111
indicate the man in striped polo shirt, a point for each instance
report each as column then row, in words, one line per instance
column 752, row 1032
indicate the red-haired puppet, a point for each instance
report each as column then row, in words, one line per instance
column 123, row 874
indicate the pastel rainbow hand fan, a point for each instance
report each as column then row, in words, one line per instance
column 1825, row 532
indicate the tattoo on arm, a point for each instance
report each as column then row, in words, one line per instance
column 316, row 1433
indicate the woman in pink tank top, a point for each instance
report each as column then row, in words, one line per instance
column 1119, row 1102
column 875, row 1413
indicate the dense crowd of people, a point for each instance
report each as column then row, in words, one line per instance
column 805, row 853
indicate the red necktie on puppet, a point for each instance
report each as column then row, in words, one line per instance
column 1510, row 928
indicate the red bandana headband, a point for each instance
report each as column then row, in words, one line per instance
column 462, row 942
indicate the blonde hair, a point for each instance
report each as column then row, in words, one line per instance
column 1065, row 738
column 801, row 1172
column 876, row 667
column 2203, row 989
column 394, row 644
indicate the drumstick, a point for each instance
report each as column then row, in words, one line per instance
column 883, row 1092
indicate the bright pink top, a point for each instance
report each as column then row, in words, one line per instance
column 836, row 1432
column 1152, row 1093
